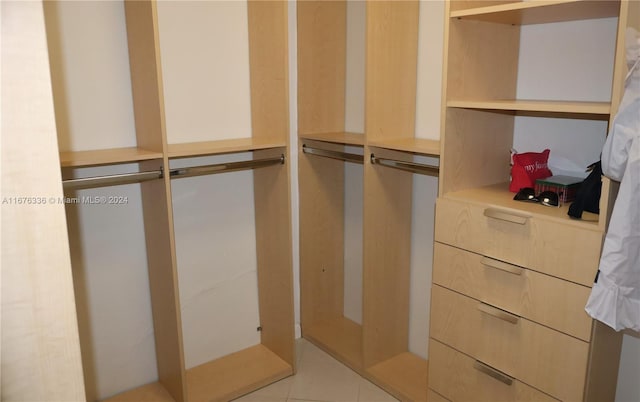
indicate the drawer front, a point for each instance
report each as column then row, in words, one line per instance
column 458, row 377
column 546, row 359
column 550, row 301
column 546, row 246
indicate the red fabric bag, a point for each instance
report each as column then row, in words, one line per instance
column 527, row 168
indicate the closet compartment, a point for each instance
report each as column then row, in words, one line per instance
column 392, row 153
column 387, row 228
column 391, row 79
column 232, row 240
column 331, row 66
column 120, row 338
column 100, row 124
column 230, row 95
column 252, row 110
column 331, row 248
column 491, row 92
column 94, row 108
column 225, row 78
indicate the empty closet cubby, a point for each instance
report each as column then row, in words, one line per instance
column 330, row 132
column 357, row 78
column 530, row 76
column 184, row 283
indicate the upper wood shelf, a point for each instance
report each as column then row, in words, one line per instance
column 222, row 147
column 106, row 156
column 500, row 196
column 589, row 108
column 337, row 138
column 414, row 145
column 541, row 11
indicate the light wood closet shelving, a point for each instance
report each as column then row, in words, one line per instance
column 274, row 357
column 507, row 271
column 377, row 349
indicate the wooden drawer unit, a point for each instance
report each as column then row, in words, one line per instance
column 537, row 355
column 550, row 301
column 459, row 377
column 536, row 242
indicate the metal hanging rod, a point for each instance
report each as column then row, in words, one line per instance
column 343, row 156
column 111, row 180
column 407, row 166
column 225, row 167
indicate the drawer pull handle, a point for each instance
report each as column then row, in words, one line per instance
column 503, row 266
column 491, row 372
column 508, row 216
column 496, row 312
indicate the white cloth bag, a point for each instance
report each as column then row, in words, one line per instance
column 615, row 296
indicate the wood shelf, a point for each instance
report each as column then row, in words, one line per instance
column 414, row 145
column 153, row 392
column 404, row 376
column 222, row 147
column 541, row 11
column 337, row 138
column 341, row 338
column 235, row 375
column 541, row 106
column 106, row 156
column 500, row 196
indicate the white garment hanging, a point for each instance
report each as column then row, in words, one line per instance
column 615, row 296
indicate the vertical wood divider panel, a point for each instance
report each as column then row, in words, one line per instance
column 322, row 46
column 41, row 357
column 604, row 361
column 269, row 76
column 387, row 259
column 146, row 80
column 321, row 237
column 390, row 107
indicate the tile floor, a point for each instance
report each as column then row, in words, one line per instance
column 320, row 378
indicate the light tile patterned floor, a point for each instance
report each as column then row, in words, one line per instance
column 320, row 378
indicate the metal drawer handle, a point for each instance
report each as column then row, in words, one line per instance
column 491, row 372
column 496, row 312
column 497, row 213
column 503, row 266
